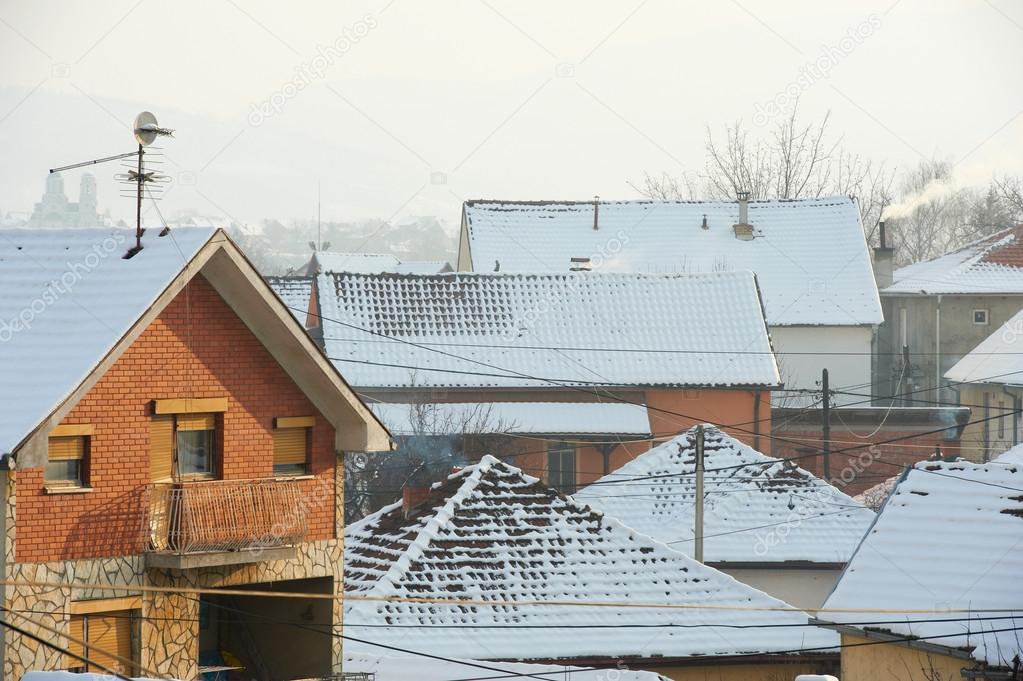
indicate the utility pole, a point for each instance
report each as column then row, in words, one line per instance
column 826, row 424
column 907, row 399
column 698, row 551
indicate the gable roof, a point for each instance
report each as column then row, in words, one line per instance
column 69, row 303
column 371, row 263
column 997, row 359
column 743, row 490
column 810, row 255
column 993, row 264
column 949, row 538
column 514, row 330
column 491, row 534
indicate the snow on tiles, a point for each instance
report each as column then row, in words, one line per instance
column 520, row 330
column 946, row 545
column 409, row 667
column 547, row 578
column 743, row 489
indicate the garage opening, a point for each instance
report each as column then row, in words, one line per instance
column 267, row 638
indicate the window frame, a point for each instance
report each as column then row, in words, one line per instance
column 987, row 316
column 213, row 472
column 290, row 423
column 560, row 450
column 82, row 479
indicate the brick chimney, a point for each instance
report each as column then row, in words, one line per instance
column 743, row 229
column 884, row 259
column 413, row 496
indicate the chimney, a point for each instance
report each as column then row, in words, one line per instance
column 705, row 225
column 580, row 264
column 596, row 210
column 743, row 229
column 884, row 259
column 413, row 496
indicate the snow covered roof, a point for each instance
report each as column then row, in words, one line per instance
column 993, row 264
column 66, row 298
column 580, row 418
column 539, row 569
column 744, row 491
column 950, row 538
column 810, row 255
column 997, row 359
column 372, row 263
column 295, row 291
column 1012, row 456
column 515, row 330
column 418, row 668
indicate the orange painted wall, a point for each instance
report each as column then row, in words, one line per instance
column 531, row 457
column 197, row 347
column 723, row 407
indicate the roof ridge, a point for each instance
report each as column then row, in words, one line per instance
column 387, row 583
column 654, row 202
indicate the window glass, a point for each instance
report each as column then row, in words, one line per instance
column 195, row 452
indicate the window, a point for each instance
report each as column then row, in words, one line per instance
column 292, row 440
column 195, row 441
column 561, row 467
column 105, row 634
column 68, row 456
column 980, row 317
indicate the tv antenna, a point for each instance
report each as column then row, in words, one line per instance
column 146, row 130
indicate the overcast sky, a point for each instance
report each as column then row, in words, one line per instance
column 407, row 108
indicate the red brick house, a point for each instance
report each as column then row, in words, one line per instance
column 167, row 423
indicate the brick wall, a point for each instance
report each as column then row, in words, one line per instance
column 197, row 347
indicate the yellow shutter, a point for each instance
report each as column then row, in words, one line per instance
column 161, row 447
column 76, row 630
column 67, row 448
column 110, row 636
column 290, row 446
column 197, row 422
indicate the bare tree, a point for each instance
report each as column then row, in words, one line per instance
column 793, row 160
column 438, row 439
column 1010, row 190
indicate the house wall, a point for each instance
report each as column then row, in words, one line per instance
column 675, row 411
column 891, row 662
column 530, row 454
column 805, row 589
column 959, row 335
column 984, row 440
column 62, row 548
column 197, row 347
column 801, row 367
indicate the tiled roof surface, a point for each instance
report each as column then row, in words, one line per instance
column 743, row 489
column 997, row 359
column 580, row 418
column 66, row 298
column 492, row 534
column 810, row 255
column 295, row 291
column 949, row 540
column 518, row 329
column 993, row 264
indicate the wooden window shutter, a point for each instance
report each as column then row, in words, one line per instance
column 66, row 448
column 196, row 421
column 291, row 446
column 110, row 636
column 161, row 447
column 76, row 630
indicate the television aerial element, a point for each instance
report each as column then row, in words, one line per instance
column 146, row 131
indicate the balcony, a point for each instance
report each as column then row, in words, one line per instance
column 224, row 522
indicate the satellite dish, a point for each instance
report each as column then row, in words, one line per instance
column 147, row 130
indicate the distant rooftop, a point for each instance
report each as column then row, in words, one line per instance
column 810, row 255
column 371, row 263
column 993, row 264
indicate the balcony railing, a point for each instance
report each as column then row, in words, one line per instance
column 225, row 515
